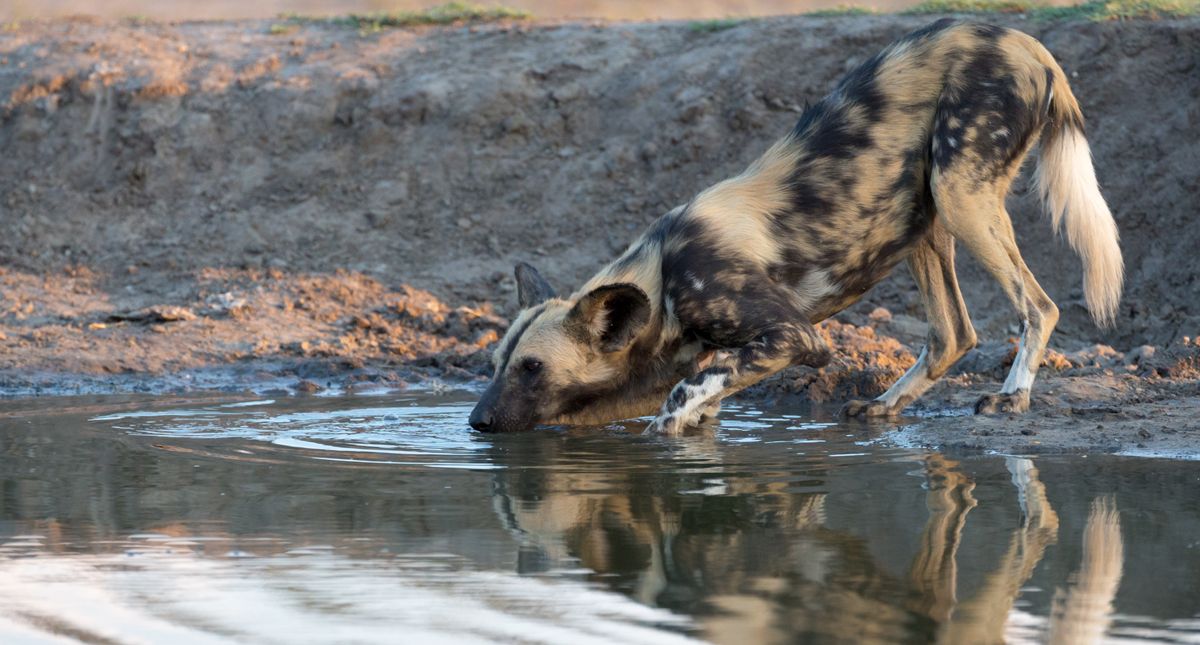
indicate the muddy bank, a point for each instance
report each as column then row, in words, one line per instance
column 276, row 333
column 77, row 332
column 201, row 205
column 438, row 156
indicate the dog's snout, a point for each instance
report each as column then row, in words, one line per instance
column 481, row 420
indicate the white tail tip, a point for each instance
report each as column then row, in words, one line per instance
column 1067, row 184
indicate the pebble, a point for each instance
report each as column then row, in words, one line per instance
column 1139, row 354
column 307, row 387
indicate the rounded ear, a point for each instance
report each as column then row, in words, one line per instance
column 532, row 288
column 609, row 317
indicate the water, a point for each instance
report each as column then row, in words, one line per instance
column 381, row 519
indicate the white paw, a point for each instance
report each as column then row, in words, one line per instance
column 672, row 423
column 665, row 424
column 690, row 400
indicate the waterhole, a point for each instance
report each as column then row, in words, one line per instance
column 383, row 519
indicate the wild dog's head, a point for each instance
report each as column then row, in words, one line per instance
column 560, row 355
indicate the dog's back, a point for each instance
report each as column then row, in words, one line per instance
column 832, row 207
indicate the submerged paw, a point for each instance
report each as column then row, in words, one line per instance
column 676, row 421
column 665, row 424
column 1003, row 403
column 867, row 409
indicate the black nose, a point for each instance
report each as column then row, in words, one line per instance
column 481, row 420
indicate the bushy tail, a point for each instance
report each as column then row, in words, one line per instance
column 1067, row 184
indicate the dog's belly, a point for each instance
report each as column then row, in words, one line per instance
column 836, row 295
column 831, row 305
column 853, row 264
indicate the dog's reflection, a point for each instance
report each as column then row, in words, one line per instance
column 757, row 562
column 1083, row 610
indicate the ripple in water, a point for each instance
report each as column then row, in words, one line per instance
column 431, row 432
column 405, row 433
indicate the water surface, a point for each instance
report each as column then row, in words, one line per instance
column 382, row 519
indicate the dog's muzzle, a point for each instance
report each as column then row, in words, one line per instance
column 481, row 419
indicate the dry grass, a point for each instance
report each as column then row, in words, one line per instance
column 446, row 14
column 1098, row 10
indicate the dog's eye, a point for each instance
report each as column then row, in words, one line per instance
column 531, row 365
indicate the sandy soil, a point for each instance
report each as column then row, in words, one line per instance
column 264, row 9
column 222, row 205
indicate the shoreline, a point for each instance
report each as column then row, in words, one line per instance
column 1165, row 424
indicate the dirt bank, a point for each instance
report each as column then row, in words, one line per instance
column 315, row 204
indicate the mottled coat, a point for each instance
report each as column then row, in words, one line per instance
column 914, row 149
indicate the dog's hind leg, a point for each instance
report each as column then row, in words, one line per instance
column 977, row 218
column 771, row 333
column 950, row 332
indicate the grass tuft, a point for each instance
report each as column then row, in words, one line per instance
column 973, row 6
column 446, row 14
column 715, row 25
column 1098, row 10
column 842, row 10
column 1123, row 10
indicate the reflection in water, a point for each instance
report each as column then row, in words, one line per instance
column 1082, row 613
column 216, row 522
column 761, row 590
column 981, row 619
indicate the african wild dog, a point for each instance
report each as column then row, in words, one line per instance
column 914, row 149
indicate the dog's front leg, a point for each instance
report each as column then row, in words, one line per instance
column 731, row 370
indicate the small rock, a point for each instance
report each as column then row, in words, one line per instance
column 464, row 223
column 374, row 220
column 1097, row 356
column 307, row 387
column 880, row 315
column 987, row 358
column 155, row 314
column 907, row 328
column 1144, row 433
column 1140, row 354
column 518, row 124
column 226, row 303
